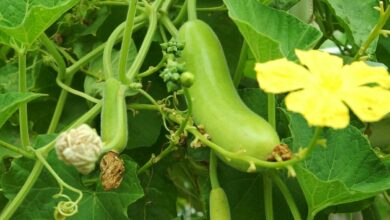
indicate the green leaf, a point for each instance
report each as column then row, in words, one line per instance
column 10, row 102
column 271, row 33
column 358, row 18
column 346, row 170
column 144, row 128
column 95, row 204
column 25, row 21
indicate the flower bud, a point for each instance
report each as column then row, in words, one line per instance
column 79, row 147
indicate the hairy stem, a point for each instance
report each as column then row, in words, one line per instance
column 213, row 170
column 287, row 195
column 268, row 204
column 241, row 64
column 18, row 150
column 131, row 74
column 23, row 118
column 126, row 39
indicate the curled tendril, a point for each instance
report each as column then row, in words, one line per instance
column 65, row 209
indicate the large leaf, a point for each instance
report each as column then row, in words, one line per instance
column 346, row 170
column 357, row 17
column 271, row 33
column 10, row 103
column 96, row 203
column 25, row 21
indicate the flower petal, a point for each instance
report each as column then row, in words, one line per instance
column 281, row 75
column 318, row 108
column 320, row 63
column 359, row 73
column 368, row 103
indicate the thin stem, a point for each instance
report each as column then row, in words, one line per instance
column 155, row 159
column 50, row 46
column 85, row 59
column 23, row 118
column 191, row 10
column 182, row 13
column 14, row 204
column 126, row 39
column 251, row 160
column 154, row 102
column 144, row 47
column 76, row 92
column 241, row 64
column 168, row 24
column 162, row 33
column 271, row 110
column 59, row 107
column 60, row 182
column 136, row 106
column 376, row 31
column 287, row 195
column 154, row 69
column 107, row 62
column 17, row 150
column 268, row 204
column 387, row 197
column 313, row 141
column 213, row 171
column 139, row 20
column 113, row 3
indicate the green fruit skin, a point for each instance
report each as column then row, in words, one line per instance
column 114, row 116
column 216, row 103
column 219, row 205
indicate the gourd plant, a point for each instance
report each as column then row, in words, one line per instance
column 169, row 122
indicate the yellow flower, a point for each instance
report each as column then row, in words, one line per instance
column 323, row 87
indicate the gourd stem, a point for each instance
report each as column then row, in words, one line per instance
column 376, row 31
column 180, row 16
column 155, row 159
column 50, row 46
column 241, row 64
column 60, row 182
column 14, row 204
column 287, row 195
column 107, row 62
column 271, row 110
column 59, row 107
column 213, row 170
column 191, row 10
column 23, row 118
column 139, row 20
column 154, row 69
column 313, row 141
column 131, row 74
column 168, row 24
column 76, row 92
column 126, row 39
column 268, row 204
column 17, row 149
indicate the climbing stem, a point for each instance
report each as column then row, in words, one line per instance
column 213, row 170
column 107, row 61
column 241, row 64
column 23, row 118
column 268, row 203
column 271, row 110
column 191, row 5
column 51, row 47
column 168, row 24
column 14, row 204
column 287, row 195
column 17, row 149
column 126, row 39
column 131, row 74
column 376, row 31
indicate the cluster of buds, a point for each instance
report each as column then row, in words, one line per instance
column 80, row 147
column 173, row 47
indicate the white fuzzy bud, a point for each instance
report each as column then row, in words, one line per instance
column 80, row 147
